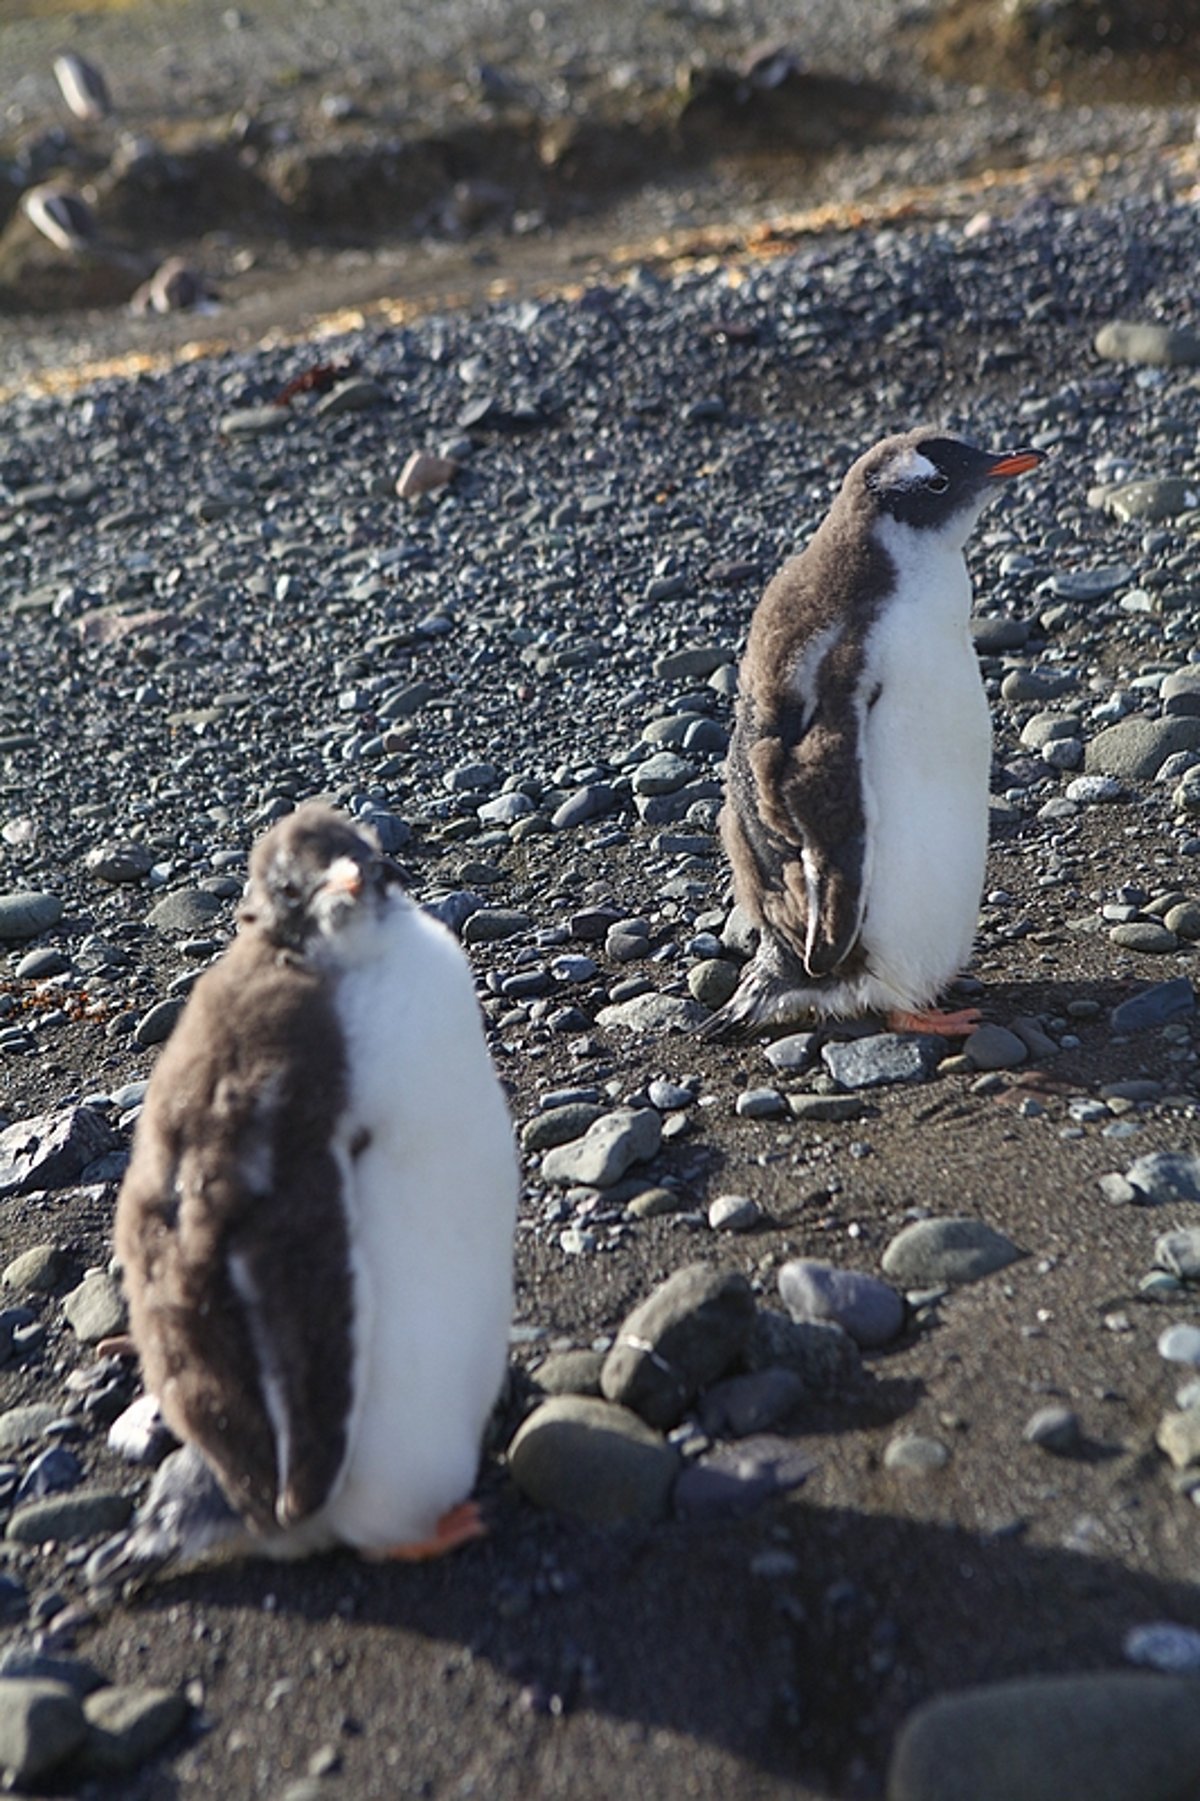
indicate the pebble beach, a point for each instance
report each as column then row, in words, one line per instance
column 928, row 1482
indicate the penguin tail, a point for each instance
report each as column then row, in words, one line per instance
column 185, row 1515
column 763, row 999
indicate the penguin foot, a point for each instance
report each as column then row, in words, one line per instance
column 119, row 1344
column 457, row 1527
column 932, row 1019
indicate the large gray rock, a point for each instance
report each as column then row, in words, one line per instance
column 96, row 1308
column 53, row 1149
column 1144, row 341
column 1137, row 748
column 41, row 1723
column 593, row 1460
column 954, row 1250
column 651, row 1013
column 871, row 1311
column 1113, row 1736
column 24, row 914
column 820, row 1352
column 186, row 909
column 690, row 1331
column 1166, row 1176
column 70, row 1518
column 883, row 1058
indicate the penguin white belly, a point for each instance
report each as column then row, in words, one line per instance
column 431, row 1200
column 926, row 764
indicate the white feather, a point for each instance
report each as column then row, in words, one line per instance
column 274, row 1393
column 431, row 1204
column 804, row 679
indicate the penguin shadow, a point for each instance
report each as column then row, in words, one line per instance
column 790, row 1645
column 1105, row 1050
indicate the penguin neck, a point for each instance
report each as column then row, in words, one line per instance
column 929, row 567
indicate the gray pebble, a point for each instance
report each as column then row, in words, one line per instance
column 19, row 1425
column 38, row 1270
column 584, row 804
column 119, row 861
column 1177, row 1251
column 993, row 1047
column 126, row 1726
column 825, row 1109
column 96, row 1309
column 559, row 1125
column 1143, row 341
column 1145, row 935
column 1135, row 749
column 650, row 1014
column 760, row 1103
column 669, row 1097
column 713, row 981
column 1157, row 497
column 1091, row 584
column 734, row 1213
column 663, row 773
column 653, row 1203
column 1163, row 1645
column 1091, row 790
column 593, row 1461
column 491, row 925
column 1054, row 1429
column 1180, row 1344
column 951, row 1250
column 915, row 1453
column 156, row 1026
column 871, row 1311
column 741, row 1405
column 797, row 1051
column 186, row 910
column 1166, row 1176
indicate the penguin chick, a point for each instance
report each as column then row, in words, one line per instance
column 316, row 1226
column 855, row 814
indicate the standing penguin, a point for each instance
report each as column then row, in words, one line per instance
column 855, row 816
column 316, row 1225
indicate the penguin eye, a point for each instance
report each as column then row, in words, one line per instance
column 937, row 484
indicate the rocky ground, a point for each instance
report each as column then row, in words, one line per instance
column 216, row 604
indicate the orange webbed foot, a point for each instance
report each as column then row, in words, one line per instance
column 932, row 1019
column 457, row 1527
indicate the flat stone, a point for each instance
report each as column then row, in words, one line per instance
column 871, row 1311
column 760, row 1103
column 685, row 1335
column 650, row 1014
column 992, row 636
column 1091, row 584
column 69, row 1519
column 156, row 1025
column 52, row 1150
column 654, row 1203
column 20, row 1425
column 584, row 804
column 1136, row 749
column 693, row 664
column 954, row 1250
column 825, row 1109
column 1180, row 692
column 915, row 1453
column 559, row 1125
column 609, row 1147
column 36, row 1271
column 185, row 910
column 491, row 925
column 994, row 1047
column 1155, row 1006
column 663, row 773
column 96, row 1309
column 1166, row 1176
column 1146, row 935
column 255, row 421
column 356, row 395
column 41, row 1724
column 126, row 1726
column 1158, row 497
column 797, row 1051
column 881, row 1059
column 594, row 1461
column 1143, row 341
column 1111, row 1736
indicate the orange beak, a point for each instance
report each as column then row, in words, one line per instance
column 1018, row 462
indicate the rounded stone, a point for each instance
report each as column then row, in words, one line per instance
column 96, row 1309
column 186, row 910
column 954, row 1250
column 1180, row 1344
column 916, row 1454
column 25, row 914
column 594, row 1461
column 713, row 981
column 871, row 1311
column 41, row 1724
column 70, row 1518
column 1053, row 1429
column 734, row 1213
column 35, row 1271
column 994, row 1047
column 683, row 1336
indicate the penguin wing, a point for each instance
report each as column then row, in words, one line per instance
column 234, row 1243
column 808, row 796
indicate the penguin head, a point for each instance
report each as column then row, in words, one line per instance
column 935, row 483
column 312, row 876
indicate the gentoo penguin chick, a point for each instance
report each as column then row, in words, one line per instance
column 855, row 815
column 316, row 1225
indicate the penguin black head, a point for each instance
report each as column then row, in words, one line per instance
column 311, row 875
column 936, row 483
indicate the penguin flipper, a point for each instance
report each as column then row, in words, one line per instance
column 763, row 998
column 185, row 1515
column 809, row 797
